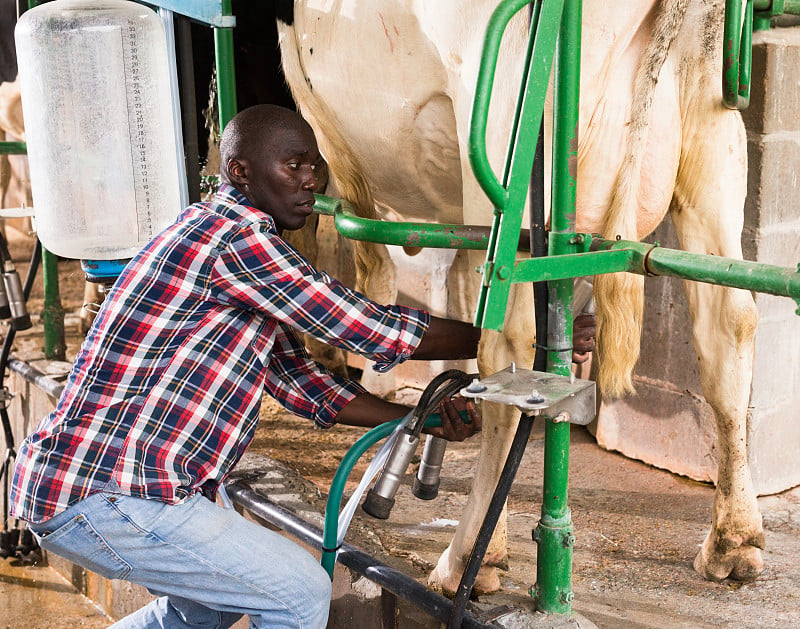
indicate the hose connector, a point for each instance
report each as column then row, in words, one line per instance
column 426, row 483
column 380, row 499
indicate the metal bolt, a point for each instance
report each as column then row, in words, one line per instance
column 578, row 239
column 503, row 272
column 562, row 417
column 567, row 597
column 536, row 536
column 476, row 387
column 535, row 397
column 568, row 540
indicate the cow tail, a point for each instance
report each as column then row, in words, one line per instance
column 620, row 296
column 374, row 271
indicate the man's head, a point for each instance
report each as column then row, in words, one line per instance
column 270, row 155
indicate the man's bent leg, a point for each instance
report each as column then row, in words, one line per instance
column 173, row 611
column 196, row 551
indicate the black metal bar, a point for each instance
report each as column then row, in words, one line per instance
column 385, row 576
column 191, row 143
column 36, row 377
column 493, row 511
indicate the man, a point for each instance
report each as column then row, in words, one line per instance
column 164, row 395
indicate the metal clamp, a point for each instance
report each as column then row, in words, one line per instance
column 561, row 398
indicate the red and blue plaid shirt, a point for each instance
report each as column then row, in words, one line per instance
column 163, row 397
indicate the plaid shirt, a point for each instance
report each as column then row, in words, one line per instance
column 164, row 394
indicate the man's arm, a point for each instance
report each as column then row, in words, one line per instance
column 447, row 339
column 368, row 411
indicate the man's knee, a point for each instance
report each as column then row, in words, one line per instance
column 319, row 596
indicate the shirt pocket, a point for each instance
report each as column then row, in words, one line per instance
column 79, row 542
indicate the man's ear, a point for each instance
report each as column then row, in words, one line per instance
column 237, row 172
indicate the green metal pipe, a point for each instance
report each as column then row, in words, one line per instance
column 500, row 255
column 479, row 158
column 226, row 73
column 406, row 234
column 649, row 259
column 605, row 256
column 554, row 533
column 13, row 148
column 737, row 54
column 55, row 347
column 778, row 6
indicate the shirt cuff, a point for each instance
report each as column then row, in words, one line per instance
column 339, row 397
column 414, row 324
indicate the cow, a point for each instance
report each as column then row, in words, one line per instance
column 388, row 88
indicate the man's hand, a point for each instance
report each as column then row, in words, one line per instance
column 584, row 328
column 453, row 427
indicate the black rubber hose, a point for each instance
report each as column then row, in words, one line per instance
column 538, row 235
column 360, row 562
column 490, row 520
column 444, row 385
column 5, row 254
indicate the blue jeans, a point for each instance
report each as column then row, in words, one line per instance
column 208, row 564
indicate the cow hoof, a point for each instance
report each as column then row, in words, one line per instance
column 447, row 581
column 742, row 563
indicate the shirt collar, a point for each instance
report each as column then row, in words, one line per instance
column 231, row 203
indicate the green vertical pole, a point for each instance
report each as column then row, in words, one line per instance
column 226, row 74
column 55, row 347
column 52, row 309
column 554, row 533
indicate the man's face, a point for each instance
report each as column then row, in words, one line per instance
column 282, row 177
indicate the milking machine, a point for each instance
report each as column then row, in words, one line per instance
column 380, row 499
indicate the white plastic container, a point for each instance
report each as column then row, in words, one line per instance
column 100, row 132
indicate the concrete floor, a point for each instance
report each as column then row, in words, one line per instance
column 38, row 597
column 637, row 530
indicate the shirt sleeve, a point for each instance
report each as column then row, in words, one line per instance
column 303, row 386
column 260, row 271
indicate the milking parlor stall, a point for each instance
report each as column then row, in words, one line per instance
column 588, row 498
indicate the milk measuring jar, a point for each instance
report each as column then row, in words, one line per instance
column 100, row 134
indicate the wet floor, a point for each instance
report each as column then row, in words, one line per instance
column 37, row 597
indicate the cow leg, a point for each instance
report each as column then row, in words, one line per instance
column 497, row 351
column 708, row 218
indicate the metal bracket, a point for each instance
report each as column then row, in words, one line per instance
column 562, row 398
column 210, row 12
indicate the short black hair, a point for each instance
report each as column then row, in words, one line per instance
column 249, row 131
